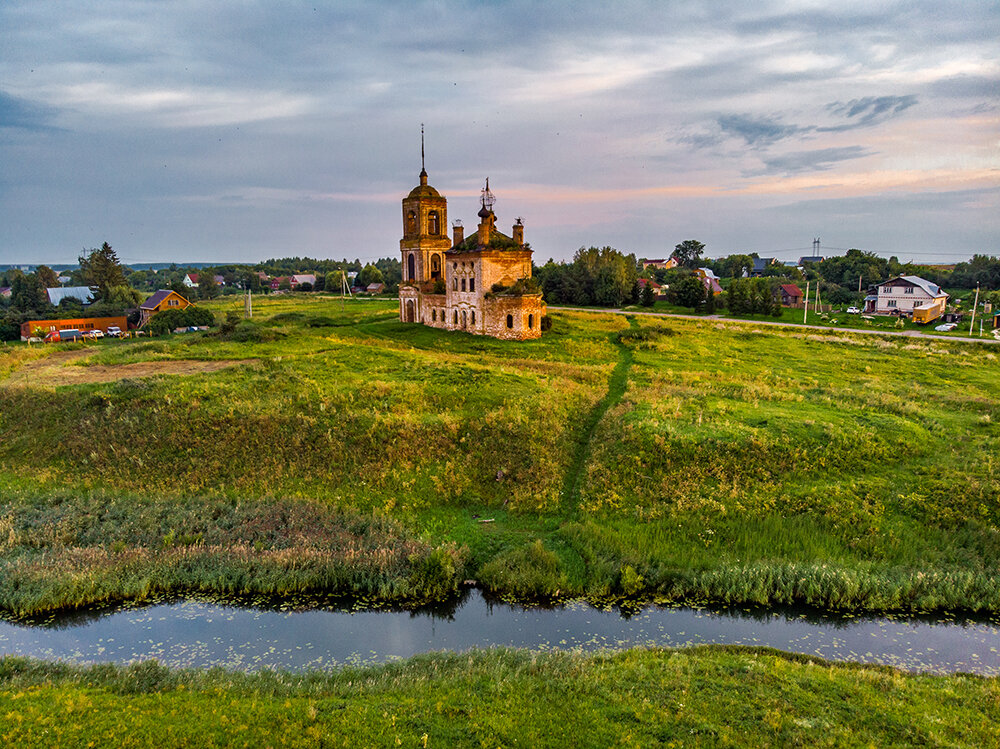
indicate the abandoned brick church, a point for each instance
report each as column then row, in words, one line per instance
column 480, row 284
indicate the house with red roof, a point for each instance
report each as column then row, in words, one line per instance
column 791, row 295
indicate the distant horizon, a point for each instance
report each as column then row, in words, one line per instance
column 804, row 252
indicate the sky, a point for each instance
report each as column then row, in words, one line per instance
column 238, row 131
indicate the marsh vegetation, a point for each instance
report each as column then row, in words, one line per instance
column 341, row 449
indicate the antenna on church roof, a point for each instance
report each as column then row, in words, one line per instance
column 486, row 197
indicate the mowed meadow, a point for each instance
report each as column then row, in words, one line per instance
column 327, row 446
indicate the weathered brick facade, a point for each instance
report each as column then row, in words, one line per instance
column 448, row 284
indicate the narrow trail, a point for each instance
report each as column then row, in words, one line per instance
column 616, row 389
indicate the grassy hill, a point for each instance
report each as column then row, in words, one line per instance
column 327, row 445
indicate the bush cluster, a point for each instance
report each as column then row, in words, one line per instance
column 171, row 319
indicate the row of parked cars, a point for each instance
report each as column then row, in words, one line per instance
column 74, row 334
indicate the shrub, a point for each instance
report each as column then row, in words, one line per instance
column 530, row 570
column 437, row 572
column 193, row 316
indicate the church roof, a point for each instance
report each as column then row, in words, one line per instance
column 498, row 241
column 424, row 191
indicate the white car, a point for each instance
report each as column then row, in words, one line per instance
column 114, row 331
column 944, row 328
column 853, row 311
column 95, row 333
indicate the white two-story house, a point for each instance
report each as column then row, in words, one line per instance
column 910, row 296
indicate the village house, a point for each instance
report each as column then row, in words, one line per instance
column 910, row 296
column 791, row 295
column 761, row 264
column 660, row 264
column 480, row 284
column 709, row 279
column 163, row 299
column 656, row 287
column 83, row 294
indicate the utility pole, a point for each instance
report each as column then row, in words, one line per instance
column 345, row 290
column 805, row 307
column 859, row 284
column 247, row 305
column 974, row 305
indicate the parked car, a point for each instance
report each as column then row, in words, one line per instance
column 853, row 311
column 96, row 333
column 114, row 331
column 946, row 327
column 69, row 334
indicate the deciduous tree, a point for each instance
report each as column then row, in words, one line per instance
column 689, row 252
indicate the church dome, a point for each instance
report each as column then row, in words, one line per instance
column 424, row 191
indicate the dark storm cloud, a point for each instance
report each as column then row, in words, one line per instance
column 812, row 161
column 868, row 111
column 23, row 114
column 758, row 131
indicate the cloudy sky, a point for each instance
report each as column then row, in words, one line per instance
column 236, row 131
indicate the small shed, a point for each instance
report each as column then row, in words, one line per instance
column 791, row 295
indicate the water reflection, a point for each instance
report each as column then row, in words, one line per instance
column 330, row 632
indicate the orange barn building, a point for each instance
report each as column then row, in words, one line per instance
column 40, row 328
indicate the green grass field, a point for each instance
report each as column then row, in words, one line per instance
column 327, row 446
column 714, row 696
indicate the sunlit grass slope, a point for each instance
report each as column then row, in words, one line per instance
column 697, row 697
column 612, row 457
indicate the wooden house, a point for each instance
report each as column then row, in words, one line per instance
column 163, row 299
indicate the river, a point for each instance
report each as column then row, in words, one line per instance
column 250, row 637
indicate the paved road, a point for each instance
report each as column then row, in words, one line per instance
column 827, row 329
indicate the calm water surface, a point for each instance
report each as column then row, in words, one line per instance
column 200, row 634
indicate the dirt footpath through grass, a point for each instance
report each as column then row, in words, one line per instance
column 62, row 368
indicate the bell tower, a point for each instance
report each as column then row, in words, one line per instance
column 425, row 233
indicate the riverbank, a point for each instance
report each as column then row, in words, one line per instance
column 712, row 696
column 340, row 450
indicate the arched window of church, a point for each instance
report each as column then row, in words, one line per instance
column 473, row 317
column 531, row 321
column 463, row 318
column 433, row 223
column 456, row 317
column 463, row 284
column 411, row 222
column 411, row 267
column 434, row 315
column 510, row 321
column 472, row 284
column 435, row 266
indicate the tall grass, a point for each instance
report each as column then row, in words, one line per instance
column 709, row 696
column 707, row 460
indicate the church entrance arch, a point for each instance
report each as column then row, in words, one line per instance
column 411, row 315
